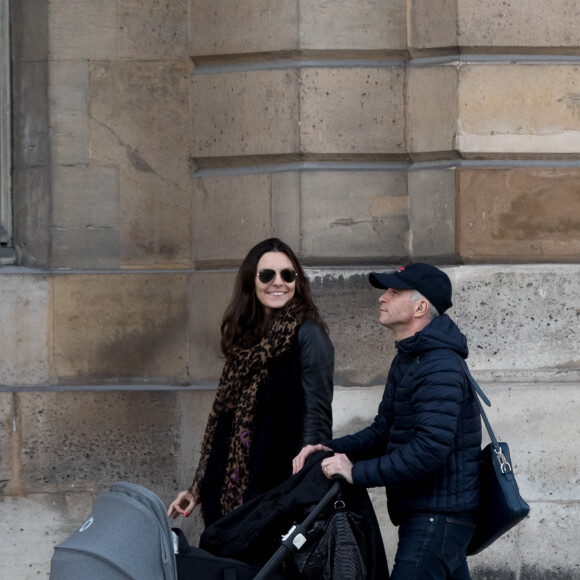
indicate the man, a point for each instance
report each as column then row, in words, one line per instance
column 424, row 444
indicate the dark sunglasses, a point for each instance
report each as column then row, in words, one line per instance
column 267, row 275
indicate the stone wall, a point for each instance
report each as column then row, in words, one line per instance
column 154, row 144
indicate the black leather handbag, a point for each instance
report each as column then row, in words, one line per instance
column 502, row 507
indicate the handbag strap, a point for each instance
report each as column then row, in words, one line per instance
column 478, row 393
column 503, row 462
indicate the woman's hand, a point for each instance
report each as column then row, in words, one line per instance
column 183, row 505
column 298, row 461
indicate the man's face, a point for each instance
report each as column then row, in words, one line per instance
column 396, row 309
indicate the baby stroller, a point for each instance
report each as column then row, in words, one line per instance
column 127, row 535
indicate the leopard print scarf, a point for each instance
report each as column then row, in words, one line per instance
column 243, row 374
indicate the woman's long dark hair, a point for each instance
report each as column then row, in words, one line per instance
column 245, row 321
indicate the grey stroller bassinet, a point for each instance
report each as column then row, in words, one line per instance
column 127, row 536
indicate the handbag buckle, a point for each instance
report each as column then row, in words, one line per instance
column 503, row 462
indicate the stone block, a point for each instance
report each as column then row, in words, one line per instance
column 195, row 406
column 69, row 102
column 354, row 215
column 85, row 218
column 519, row 24
column 432, row 24
column 520, row 321
column 542, row 546
column 116, row 328
column 83, row 29
column 130, row 102
column 285, row 211
column 363, row 349
column 342, row 25
column 85, row 248
column 244, row 112
column 519, row 214
column 82, row 441
column 432, row 213
column 24, row 320
column 222, row 27
column 532, row 417
column 352, row 110
column 40, row 520
column 152, row 30
column 354, row 408
column 232, row 213
column 529, row 108
column 210, row 295
column 432, row 109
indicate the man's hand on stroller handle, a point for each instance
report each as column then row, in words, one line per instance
column 337, row 465
column 183, row 504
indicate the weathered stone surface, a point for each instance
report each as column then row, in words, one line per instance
column 551, row 535
column 432, row 24
column 520, row 214
column 85, row 218
column 364, row 25
column 84, row 441
column 363, row 349
column 220, row 27
column 432, row 213
column 24, row 320
column 549, row 532
column 354, row 215
column 85, row 249
column 154, row 189
column 520, row 321
column 286, row 203
column 232, row 213
column 115, row 328
column 69, row 102
column 520, row 108
column 83, row 29
column 245, row 112
column 194, row 406
column 42, row 520
column 527, row 416
column 210, row 294
column 152, row 30
column 432, row 108
column 518, row 24
column 352, row 110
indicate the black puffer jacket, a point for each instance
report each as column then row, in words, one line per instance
column 424, row 444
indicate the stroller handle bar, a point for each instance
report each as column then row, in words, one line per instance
column 295, row 538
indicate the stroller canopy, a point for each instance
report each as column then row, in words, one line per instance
column 127, row 536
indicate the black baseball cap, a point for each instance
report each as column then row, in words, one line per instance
column 433, row 283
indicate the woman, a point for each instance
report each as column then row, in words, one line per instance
column 275, row 392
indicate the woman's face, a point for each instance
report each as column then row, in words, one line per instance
column 275, row 293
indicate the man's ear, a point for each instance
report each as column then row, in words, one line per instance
column 421, row 307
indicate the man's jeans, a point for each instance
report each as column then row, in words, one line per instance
column 432, row 547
